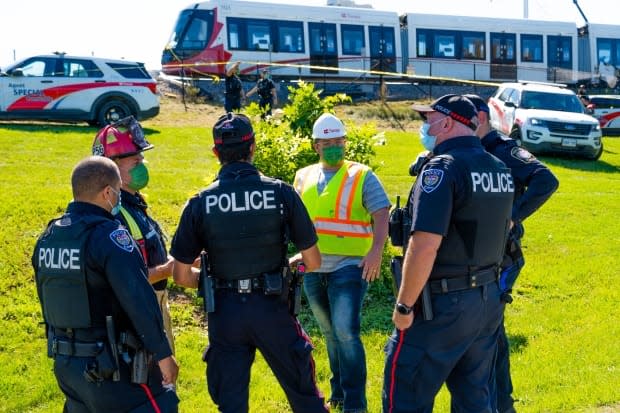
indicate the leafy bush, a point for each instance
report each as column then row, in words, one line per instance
column 284, row 145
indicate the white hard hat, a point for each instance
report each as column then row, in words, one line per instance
column 327, row 126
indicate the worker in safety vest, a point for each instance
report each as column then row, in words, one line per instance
column 350, row 209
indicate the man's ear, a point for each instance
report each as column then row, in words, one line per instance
column 215, row 152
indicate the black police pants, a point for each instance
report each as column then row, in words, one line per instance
column 457, row 347
column 243, row 323
column 231, row 103
column 108, row 396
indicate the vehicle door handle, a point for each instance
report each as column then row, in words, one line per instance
column 47, row 81
column 100, row 81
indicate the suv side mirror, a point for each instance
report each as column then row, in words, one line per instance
column 17, row 72
column 510, row 104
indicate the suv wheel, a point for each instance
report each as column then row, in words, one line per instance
column 596, row 155
column 112, row 111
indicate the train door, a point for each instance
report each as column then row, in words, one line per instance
column 323, row 47
column 503, row 56
column 559, row 58
column 382, row 48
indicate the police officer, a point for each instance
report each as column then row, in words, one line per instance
column 98, row 305
column 124, row 143
column 234, row 89
column 534, row 185
column 460, row 219
column 244, row 221
column 266, row 90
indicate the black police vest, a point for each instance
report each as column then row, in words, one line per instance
column 478, row 229
column 264, row 88
column 244, row 227
column 233, row 85
column 60, row 271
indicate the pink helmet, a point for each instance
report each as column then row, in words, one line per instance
column 121, row 139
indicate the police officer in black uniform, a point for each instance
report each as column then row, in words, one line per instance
column 124, row 142
column 234, row 89
column 244, row 221
column 104, row 325
column 460, row 220
column 534, row 185
column 266, row 90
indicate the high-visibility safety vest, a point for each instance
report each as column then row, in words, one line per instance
column 342, row 223
column 135, row 232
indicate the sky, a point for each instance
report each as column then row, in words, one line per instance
column 139, row 29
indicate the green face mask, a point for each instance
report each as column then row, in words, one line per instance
column 333, row 155
column 139, row 177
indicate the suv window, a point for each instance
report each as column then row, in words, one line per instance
column 133, row 71
column 80, row 68
column 605, row 103
column 551, row 101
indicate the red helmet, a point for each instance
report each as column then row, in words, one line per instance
column 121, row 139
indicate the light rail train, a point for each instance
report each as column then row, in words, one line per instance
column 298, row 41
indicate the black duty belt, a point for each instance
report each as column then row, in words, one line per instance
column 76, row 348
column 477, row 279
column 245, row 285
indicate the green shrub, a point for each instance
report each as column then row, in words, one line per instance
column 284, row 145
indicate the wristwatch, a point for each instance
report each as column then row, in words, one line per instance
column 403, row 309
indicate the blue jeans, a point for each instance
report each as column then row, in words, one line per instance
column 336, row 302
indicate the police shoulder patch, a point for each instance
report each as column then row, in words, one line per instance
column 122, row 239
column 431, row 179
column 522, row 154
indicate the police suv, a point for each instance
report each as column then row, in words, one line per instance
column 545, row 117
column 70, row 88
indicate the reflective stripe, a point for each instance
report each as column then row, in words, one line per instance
column 135, row 232
column 346, row 192
column 343, row 228
column 134, row 229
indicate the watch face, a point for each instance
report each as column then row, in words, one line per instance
column 403, row 309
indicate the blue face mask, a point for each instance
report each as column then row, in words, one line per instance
column 428, row 140
column 116, row 209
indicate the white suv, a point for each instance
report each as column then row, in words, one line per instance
column 70, row 88
column 545, row 118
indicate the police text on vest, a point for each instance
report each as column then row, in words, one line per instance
column 248, row 200
column 59, row 258
column 492, row 182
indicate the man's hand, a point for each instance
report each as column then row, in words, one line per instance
column 169, row 370
column 402, row 321
column 372, row 265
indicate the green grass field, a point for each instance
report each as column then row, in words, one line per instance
column 564, row 323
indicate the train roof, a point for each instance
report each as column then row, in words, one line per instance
column 349, row 15
column 499, row 24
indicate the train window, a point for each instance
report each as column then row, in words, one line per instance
column 531, row 48
column 290, row 37
column 451, row 44
column 445, row 45
column 473, row 45
column 559, row 52
column 258, row 35
column 608, row 51
column 352, row 39
column 423, row 50
column 234, row 34
column 196, row 35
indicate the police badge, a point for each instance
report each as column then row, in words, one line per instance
column 122, row 239
column 431, row 178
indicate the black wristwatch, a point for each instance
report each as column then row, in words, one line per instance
column 403, row 308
